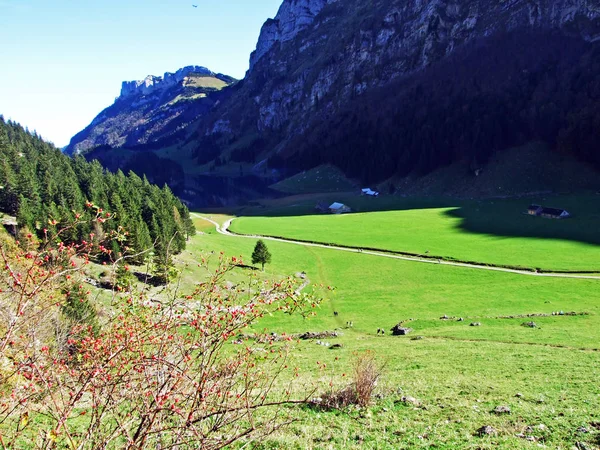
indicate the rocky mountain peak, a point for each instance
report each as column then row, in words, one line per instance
column 151, row 83
column 293, row 16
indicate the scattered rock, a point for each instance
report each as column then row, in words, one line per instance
column 336, row 346
column 475, row 324
column 529, row 324
column 317, row 335
column 399, row 330
column 408, row 400
column 444, row 317
column 486, row 430
column 518, row 395
column 582, row 446
column 582, row 430
column 460, row 319
column 417, row 338
column 533, row 429
column 501, row 410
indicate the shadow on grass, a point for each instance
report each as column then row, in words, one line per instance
column 507, row 218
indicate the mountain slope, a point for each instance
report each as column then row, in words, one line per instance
column 45, row 189
column 345, row 82
column 153, row 109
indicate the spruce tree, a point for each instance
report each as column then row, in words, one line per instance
column 261, row 254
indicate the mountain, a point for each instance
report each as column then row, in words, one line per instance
column 155, row 109
column 391, row 88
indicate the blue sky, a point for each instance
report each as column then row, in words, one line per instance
column 63, row 61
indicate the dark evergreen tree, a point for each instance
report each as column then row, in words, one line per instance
column 77, row 308
column 38, row 182
column 261, row 254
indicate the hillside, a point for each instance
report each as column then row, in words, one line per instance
column 403, row 87
column 153, row 112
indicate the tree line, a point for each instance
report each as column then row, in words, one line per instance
column 44, row 188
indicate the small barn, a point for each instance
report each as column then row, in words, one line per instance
column 534, row 210
column 369, row 192
column 339, row 208
column 554, row 213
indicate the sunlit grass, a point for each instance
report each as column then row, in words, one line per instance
column 494, row 233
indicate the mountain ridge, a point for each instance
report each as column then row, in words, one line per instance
column 155, row 108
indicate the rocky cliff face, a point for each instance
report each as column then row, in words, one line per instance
column 317, row 60
column 153, row 83
column 153, row 109
column 346, row 47
column 380, row 89
column 292, row 17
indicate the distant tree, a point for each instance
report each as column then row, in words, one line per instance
column 261, row 254
column 77, row 309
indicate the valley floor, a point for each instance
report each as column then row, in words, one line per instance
column 458, row 374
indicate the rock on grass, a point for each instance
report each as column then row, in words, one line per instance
column 501, row 410
column 486, row 430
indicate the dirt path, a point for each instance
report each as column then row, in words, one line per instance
column 224, row 229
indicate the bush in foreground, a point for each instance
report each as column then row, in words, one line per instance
column 366, row 374
column 154, row 374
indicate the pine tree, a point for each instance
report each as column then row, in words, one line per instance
column 261, row 254
column 77, row 308
column 164, row 270
column 38, row 182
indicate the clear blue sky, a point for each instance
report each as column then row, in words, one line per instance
column 63, row 61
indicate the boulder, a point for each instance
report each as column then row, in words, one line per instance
column 400, row 330
column 486, row 430
column 501, row 410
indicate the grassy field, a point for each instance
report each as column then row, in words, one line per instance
column 493, row 232
column 547, row 375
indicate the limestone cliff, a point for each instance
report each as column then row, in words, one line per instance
column 316, row 47
column 292, row 17
column 153, row 109
column 152, row 83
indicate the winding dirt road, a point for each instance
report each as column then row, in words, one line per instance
column 224, row 230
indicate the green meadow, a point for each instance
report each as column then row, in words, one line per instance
column 490, row 232
column 459, row 373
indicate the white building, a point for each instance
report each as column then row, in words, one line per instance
column 370, row 192
column 339, row 208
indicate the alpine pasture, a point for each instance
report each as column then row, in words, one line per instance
column 442, row 382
